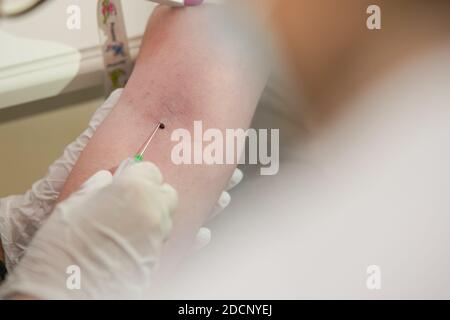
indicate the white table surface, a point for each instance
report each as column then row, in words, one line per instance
column 40, row 57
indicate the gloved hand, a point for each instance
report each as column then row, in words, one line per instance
column 22, row 215
column 112, row 230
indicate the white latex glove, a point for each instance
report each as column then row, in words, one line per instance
column 22, row 215
column 112, row 229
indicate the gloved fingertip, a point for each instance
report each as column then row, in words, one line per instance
column 235, row 179
column 224, row 200
column 221, row 204
column 203, row 238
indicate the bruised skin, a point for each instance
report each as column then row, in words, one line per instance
column 190, row 67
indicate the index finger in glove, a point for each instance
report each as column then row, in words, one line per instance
column 147, row 172
column 143, row 170
column 235, row 179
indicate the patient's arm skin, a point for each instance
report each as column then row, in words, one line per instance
column 190, row 67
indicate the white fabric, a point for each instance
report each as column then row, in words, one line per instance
column 375, row 192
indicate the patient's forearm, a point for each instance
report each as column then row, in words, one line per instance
column 189, row 68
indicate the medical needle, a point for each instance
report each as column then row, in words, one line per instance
column 140, row 156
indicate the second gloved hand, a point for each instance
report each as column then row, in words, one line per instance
column 111, row 231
